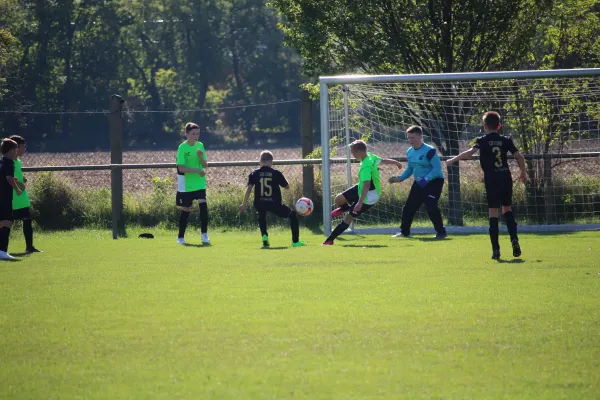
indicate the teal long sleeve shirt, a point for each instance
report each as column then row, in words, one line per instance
column 423, row 162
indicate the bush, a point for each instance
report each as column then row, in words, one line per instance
column 56, row 203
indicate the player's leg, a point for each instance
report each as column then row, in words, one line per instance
column 342, row 226
column 201, row 195
column 262, row 225
column 24, row 214
column 343, row 201
column 509, row 217
column 5, row 225
column 413, row 202
column 184, row 202
column 283, row 211
column 431, row 196
column 493, row 200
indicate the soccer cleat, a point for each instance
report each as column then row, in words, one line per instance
column 496, row 254
column 337, row 212
column 181, row 240
column 205, row 239
column 441, row 236
column 5, row 256
column 400, row 235
column 265, row 240
column 298, row 244
column 516, row 249
column 327, row 243
column 32, row 250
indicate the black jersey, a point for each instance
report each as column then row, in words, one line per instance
column 493, row 150
column 7, row 168
column 267, row 184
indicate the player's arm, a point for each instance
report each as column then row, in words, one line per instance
column 465, row 155
column 183, row 169
column 21, row 185
column 283, row 182
column 436, row 165
column 246, row 197
column 12, row 181
column 202, row 156
column 405, row 175
column 521, row 161
column 388, row 161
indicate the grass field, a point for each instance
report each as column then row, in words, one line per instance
column 371, row 317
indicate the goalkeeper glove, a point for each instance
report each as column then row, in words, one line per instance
column 422, row 182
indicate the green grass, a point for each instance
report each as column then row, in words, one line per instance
column 371, row 317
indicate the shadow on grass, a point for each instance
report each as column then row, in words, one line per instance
column 513, row 261
column 20, row 254
column 196, row 245
column 275, row 248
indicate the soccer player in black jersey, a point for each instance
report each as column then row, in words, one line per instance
column 493, row 148
column 7, row 184
column 267, row 183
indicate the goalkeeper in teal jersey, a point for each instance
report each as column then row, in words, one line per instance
column 426, row 167
column 362, row 196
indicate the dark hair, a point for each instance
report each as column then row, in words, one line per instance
column 358, row 145
column 18, row 139
column 266, row 156
column 190, row 125
column 491, row 119
column 415, row 129
column 7, row 145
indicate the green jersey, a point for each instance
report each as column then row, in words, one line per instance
column 369, row 173
column 21, row 201
column 188, row 157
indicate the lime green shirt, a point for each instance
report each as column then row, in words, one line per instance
column 369, row 172
column 188, row 157
column 21, row 201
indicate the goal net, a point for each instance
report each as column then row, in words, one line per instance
column 553, row 117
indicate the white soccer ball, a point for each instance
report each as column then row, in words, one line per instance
column 304, row 206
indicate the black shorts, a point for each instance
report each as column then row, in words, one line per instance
column 21, row 214
column 185, row 199
column 279, row 209
column 351, row 196
column 499, row 190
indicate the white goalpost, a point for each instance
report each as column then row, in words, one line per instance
column 552, row 115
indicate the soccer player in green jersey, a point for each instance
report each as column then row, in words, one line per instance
column 191, row 181
column 21, row 203
column 362, row 196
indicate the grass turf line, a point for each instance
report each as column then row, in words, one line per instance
column 369, row 317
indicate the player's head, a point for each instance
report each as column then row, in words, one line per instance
column 192, row 132
column 21, row 143
column 9, row 148
column 491, row 121
column 414, row 134
column 358, row 148
column 266, row 159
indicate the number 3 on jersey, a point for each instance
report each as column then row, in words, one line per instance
column 265, row 187
column 498, row 153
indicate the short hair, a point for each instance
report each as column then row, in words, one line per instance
column 266, row 156
column 415, row 129
column 18, row 139
column 190, row 125
column 7, row 145
column 491, row 119
column 358, row 145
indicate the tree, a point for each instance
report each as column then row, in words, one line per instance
column 417, row 36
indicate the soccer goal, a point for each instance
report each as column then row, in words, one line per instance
column 552, row 115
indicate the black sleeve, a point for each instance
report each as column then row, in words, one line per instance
column 282, row 181
column 10, row 169
column 511, row 146
column 251, row 180
column 477, row 144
